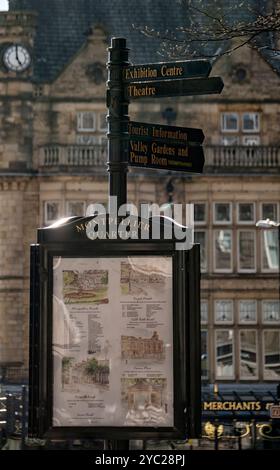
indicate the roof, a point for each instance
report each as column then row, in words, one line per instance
column 62, row 26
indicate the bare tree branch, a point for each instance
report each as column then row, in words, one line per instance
column 213, row 25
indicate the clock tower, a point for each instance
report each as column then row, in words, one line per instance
column 18, row 197
column 17, row 29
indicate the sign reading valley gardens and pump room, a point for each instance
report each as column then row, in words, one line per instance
column 165, row 147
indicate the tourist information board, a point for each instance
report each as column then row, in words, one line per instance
column 170, row 88
column 165, row 147
column 88, row 379
column 167, row 70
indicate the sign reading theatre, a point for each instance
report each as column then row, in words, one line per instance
column 169, row 88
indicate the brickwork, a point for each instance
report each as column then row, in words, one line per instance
column 11, row 276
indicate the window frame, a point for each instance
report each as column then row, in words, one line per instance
column 268, row 330
column 205, row 302
column 203, row 270
column 267, row 322
column 256, row 137
column 224, row 322
column 230, row 137
column 251, row 131
column 246, row 222
column 246, row 270
column 51, row 221
column 222, row 270
column 248, row 322
column 218, row 222
column 272, row 203
column 80, row 116
column 223, row 378
column 256, row 377
column 204, row 221
column 69, row 201
column 224, row 129
column 263, row 269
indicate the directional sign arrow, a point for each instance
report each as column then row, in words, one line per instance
column 165, row 147
column 161, row 156
column 172, row 134
column 169, row 88
column 167, row 70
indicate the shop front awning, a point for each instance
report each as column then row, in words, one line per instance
column 241, row 403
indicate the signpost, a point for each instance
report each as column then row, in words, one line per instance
column 110, row 292
column 139, row 144
column 165, row 147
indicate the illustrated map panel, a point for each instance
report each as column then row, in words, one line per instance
column 113, row 341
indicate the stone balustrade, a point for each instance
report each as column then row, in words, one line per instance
column 217, row 157
column 73, row 156
column 229, row 157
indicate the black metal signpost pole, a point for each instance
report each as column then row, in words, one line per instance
column 117, row 118
column 118, row 132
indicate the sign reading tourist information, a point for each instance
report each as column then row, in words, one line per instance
column 165, row 147
column 169, row 88
column 165, row 71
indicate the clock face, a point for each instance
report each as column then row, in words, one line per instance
column 17, row 58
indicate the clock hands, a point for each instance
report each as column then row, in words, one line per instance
column 17, row 57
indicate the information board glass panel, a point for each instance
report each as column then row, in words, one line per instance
column 112, row 341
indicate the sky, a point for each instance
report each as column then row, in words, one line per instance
column 3, row 5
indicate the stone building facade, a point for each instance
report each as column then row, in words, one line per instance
column 53, row 163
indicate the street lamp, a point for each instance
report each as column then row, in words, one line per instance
column 267, row 224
